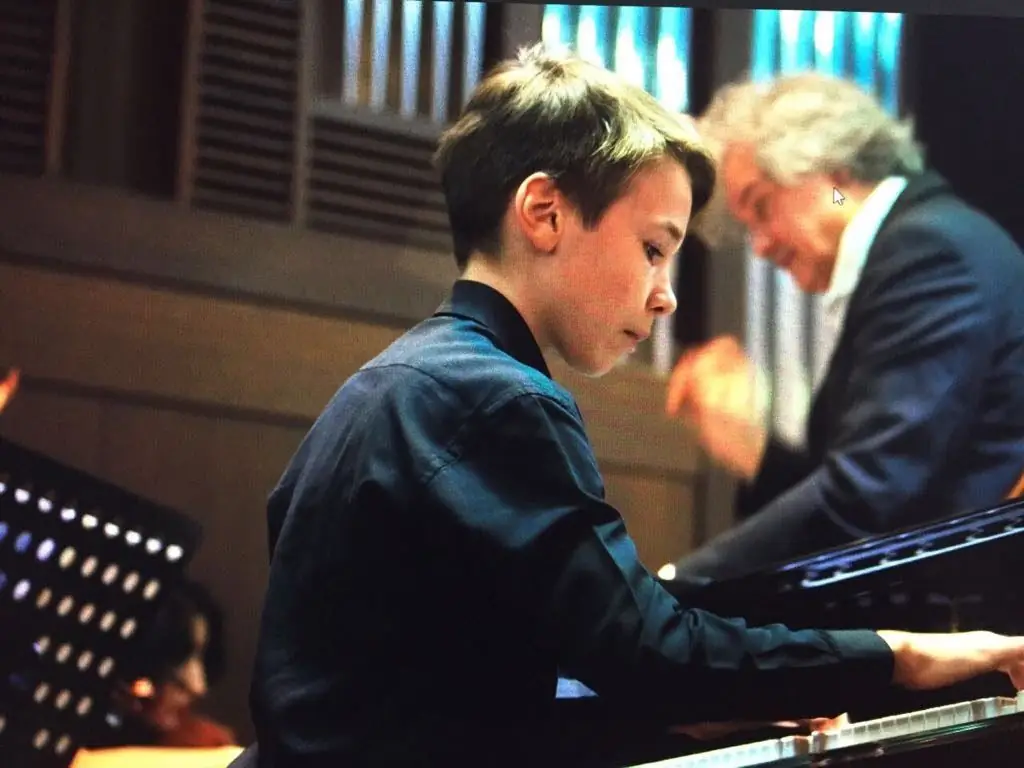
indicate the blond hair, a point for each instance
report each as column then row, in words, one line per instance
column 562, row 115
column 804, row 124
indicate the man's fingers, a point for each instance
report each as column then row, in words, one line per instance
column 725, row 351
column 721, row 344
column 696, row 373
column 708, row 378
column 679, row 383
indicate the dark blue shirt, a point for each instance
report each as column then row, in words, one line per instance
column 442, row 547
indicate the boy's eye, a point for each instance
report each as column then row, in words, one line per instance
column 653, row 252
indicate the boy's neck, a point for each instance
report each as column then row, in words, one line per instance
column 511, row 284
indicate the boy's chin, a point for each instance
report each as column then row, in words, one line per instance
column 595, row 369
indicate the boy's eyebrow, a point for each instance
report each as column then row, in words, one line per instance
column 673, row 231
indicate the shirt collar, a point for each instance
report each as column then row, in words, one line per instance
column 491, row 309
column 859, row 235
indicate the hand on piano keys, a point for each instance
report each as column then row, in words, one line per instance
column 930, row 661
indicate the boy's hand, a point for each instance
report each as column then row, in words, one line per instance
column 927, row 661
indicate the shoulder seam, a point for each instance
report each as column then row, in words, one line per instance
column 512, row 395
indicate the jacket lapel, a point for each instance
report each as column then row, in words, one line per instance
column 823, row 416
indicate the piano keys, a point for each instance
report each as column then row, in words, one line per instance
column 940, row 577
column 934, row 737
column 949, row 575
column 943, row 576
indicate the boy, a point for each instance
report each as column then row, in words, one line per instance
column 441, row 544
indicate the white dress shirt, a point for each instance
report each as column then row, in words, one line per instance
column 854, row 245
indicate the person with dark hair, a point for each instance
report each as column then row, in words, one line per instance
column 441, row 545
column 187, row 646
column 182, row 656
column 9, row 386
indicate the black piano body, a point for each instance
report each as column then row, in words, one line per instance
column 605, row 743
column 991, row 743
column 950, row 575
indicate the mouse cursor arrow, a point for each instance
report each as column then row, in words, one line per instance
column 837, row 196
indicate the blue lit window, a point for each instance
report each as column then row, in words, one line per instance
column 648, row 46
column 369, row 65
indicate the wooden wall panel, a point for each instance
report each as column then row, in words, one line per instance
column 64, row 428
column 98, row 227
column 158, row 453
column 659, row 513
column 222, row 353
column 248, row 461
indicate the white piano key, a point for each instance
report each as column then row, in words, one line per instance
column 911, row 723
column 741, row 756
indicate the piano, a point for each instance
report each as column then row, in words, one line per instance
column 950, row 575
column 942, row 576
column 985, row 731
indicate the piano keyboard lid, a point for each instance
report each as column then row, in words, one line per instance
column 976, row 530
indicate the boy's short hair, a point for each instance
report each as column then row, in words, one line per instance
column 559, row 114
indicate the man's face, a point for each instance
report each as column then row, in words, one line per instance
column 797, row 227
column 615, row 279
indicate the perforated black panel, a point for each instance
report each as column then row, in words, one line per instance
column 83, row 568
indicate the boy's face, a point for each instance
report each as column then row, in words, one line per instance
column 612, row 281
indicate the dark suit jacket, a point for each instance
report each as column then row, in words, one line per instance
column 921, row 413
column 442, row 547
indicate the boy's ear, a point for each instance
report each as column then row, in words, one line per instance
column 539, row 211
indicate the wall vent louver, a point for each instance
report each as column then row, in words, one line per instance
column 376, row 184
column 26, row 58
column 245, row 120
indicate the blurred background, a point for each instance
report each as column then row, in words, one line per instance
column 212, row 212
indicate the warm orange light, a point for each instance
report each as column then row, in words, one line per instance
column 8, row 387
column 143, row 689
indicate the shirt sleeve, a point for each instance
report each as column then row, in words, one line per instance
column 527, row 486
column 781, row 468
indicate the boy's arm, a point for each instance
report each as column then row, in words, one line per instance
column 528, row 487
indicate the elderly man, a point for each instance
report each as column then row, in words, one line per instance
column 920, row 412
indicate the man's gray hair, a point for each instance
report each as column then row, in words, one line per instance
column 800, row 125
